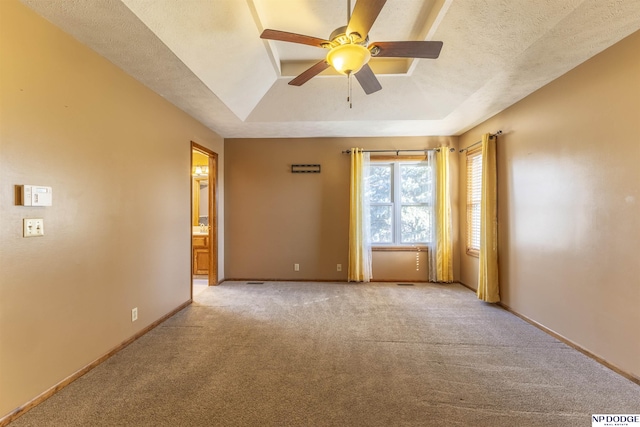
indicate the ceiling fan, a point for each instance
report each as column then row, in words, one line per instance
column 349, row 48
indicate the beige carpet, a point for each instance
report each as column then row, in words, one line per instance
column 328, row 354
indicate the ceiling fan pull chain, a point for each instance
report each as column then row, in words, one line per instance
column 349, row 97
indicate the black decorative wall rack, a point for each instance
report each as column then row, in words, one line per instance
column 305, row 168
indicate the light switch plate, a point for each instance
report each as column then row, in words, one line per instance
column 32, row 227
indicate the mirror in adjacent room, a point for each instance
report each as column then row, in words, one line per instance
column 201, row 205
column 200, row 174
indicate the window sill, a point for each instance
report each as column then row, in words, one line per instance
column 399, row 249
column 473, row 252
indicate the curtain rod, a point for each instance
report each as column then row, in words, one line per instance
column 492, row 135
column 398, row 151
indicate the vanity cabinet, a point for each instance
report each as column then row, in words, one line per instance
column 201, row 255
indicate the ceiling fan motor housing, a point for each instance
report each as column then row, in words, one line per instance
column 339, row 36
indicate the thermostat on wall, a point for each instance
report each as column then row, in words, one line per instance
column 36, row 195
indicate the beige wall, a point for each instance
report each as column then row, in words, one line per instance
column 118, row 233
column 569, row 205
column 274, row 218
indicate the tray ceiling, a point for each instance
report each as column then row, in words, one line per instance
column 206, row 57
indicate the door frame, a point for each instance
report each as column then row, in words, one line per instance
column 213, row 213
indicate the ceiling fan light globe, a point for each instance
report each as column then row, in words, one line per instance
column 348, row 58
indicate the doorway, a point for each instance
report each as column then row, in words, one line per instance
column 204, row 218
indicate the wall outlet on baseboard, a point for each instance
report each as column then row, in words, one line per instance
column 339, row 267
column 134, row 314
column 296, row 267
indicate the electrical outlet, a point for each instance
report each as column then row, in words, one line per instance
column 339, row 267
column 296, row 267
column 134, row 314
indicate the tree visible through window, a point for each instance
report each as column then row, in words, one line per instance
column 399, row 196
column 474, row 197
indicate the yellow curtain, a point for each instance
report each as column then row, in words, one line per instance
column 359, row 252
column 488, row 289
column 442, row 210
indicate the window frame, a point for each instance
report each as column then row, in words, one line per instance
column 474, row 199
column 395, row 162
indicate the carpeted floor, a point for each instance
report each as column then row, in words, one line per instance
column 329, row 354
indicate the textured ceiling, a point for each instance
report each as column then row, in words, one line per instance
column 207, row 58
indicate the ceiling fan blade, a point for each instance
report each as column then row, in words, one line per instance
column 412, row 49
column 368, row 80
column 308, row 74
column 364, row 15
column 293, row 38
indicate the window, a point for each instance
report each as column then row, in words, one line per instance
column 474, row 197
column 400, row 203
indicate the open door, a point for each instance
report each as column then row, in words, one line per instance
column 204, row 222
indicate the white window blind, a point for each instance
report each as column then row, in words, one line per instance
column 474, row 197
